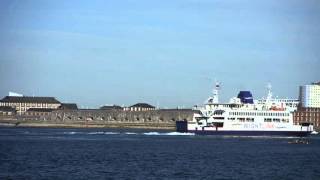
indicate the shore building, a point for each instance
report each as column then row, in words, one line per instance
column 310, row 95
column 309, row 107
column 111, row 107
column 22, row 104
column 140, row 107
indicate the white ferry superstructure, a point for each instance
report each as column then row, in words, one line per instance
column 244, row 116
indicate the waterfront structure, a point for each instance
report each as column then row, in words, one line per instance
column 310, row 95
column 68, row 106
column 140, row 107
column 111, row 107
column 7, row 111
column 39, row 112
column 307, row 115
column 22, row 104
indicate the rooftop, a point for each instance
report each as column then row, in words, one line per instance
column 142, row 105
column 30, row 99
column 111, row 107
column 68, row 106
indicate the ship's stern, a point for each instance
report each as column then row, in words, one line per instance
column 182, row 126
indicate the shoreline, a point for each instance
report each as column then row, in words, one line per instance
column 87, row 126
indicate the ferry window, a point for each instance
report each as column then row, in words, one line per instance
column 231, row 119
column 250, row 119
column 267, row 120
column 276, row 120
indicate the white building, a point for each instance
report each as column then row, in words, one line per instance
column 310, row 95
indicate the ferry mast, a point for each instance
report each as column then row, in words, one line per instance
column 215, row 98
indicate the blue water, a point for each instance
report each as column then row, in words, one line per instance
column 44, row 153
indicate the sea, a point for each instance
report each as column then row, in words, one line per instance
column 66, row 153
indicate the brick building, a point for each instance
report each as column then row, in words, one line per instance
column 310, row 115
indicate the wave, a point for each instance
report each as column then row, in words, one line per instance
column 71, row 132
column 168, row 134
column 101, row 132
column 260, row 137
column 91, row 133
column 110, row 133
column 130, row 133
column 180, row 134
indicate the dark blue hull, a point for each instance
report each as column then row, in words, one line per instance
column 254, row 133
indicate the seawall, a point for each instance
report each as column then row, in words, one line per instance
column 86, row 118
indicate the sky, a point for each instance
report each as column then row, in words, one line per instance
column 167, row 53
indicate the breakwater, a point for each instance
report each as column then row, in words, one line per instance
column 159, row 119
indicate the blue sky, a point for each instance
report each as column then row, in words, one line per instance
column 160, row 52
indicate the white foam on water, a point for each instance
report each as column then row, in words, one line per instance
column 71, row 132
column 130, row 133
column 109, row 133
column 99, row 132
column 168, row 134
column 152, row 133
column 102, row 133
column 179, row 134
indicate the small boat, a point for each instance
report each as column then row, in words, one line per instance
column 314, row 132
column 299, row 141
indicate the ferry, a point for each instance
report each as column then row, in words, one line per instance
column 244, row 116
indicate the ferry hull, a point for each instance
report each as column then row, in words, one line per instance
column 182, row 126
column 253, row 133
